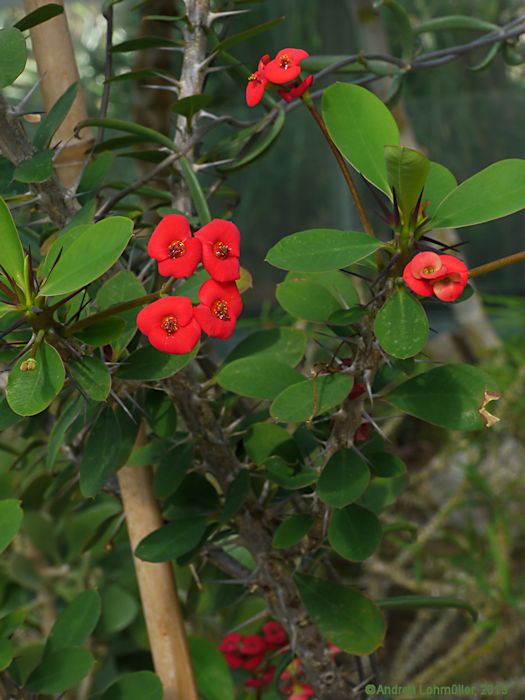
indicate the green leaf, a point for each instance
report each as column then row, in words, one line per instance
column 94, row 175
column 197, row 195
column 212, row 674
column 401, row 19
column 102, row 332
column 248, row 33
column 38, row 168
column 144, row 132
column 173, row 540
column 172, row 470
column 122, row 287
column 257, row 377
column 60, row 670
column 92, row 376
column 382, row 492
column 101, row 455
column 119, row 609
column 259, row 143
column 6, row 653
column 7, row 416
column 344, row 616
column 40, row 15
column 306, row 300
column 361, row 126
column 31, row 391
column 449, row 396
column 407, row 171
column 494, row 192
column 145, row 42
column 13, row 55
column 65, row 419
column 440, row 182
column 339, row 284
column 385, row 464
column 76, row 623
column 291, row 531
column 56, row 115
column 11, row 253
column 311, row 397
column 235, row 496
column 147, row 364
column 320, row 250
column 140, row 685
column 265, row 439
column 284, row 344
column 11, row 516
column 354, row 533
column 281, row 473
column 438, row 24
column 343, row 479
column 101, row 244
column 416, row 602
column 189, row 106
column 401, row 326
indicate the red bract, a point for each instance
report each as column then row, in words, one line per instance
column 220, row 307
column 221, row 242
column 301, row 691
column 262, row 677
column 257, row 83
column 231, row 642
column 362, row 433
column 285, row 66
column 233, row 660
column 173, row 246
column 430, row 274
column 253, row 645
column 296, row 90
column 451, row 286
column 274, row 635
column 170, row 325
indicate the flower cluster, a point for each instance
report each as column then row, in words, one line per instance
column 282, row 71
column 443, row 276
column 172, row 323
column 253, row 652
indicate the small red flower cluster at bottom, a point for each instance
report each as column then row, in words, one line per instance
column 255, row 653
column 443, row 276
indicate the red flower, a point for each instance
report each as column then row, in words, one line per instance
column 301, row 691
column 252, row 662
column 170, row 325
column 253, row 645
column 274, row 635
column 220, row 307
column 297, row 90
column 171, row 243
column 220, row 249
column 285, row 66
column 233, row 660
column 231, row 642
column 430, row 274
column 262, row 677
column 451, row 286
column 257, row 83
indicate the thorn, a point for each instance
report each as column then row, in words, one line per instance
column 212, row 16
column 17, row 111
column 415, row 213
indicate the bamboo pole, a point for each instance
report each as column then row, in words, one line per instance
column 57, row 67
column 158, row 589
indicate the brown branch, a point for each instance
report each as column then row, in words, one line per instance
column 158, row 589
column 16, row 147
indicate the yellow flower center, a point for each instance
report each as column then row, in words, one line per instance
column 221, row 250
column 176, row 249
column 429, row 270
column 219, row 309
column 285, row 62
column 170, row 325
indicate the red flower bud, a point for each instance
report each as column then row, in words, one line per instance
column 297, row 90
column 362, row 433
column 262, row 677
column 172, row 245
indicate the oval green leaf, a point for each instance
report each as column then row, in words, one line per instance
column 343, row 479
column 257, row 377
column 13, row 55
column 38, row 168
column 76, row 623
column 99, row 244
column 173, row 540
column 11, row 254
column 92, row 376
column 450, row 396
column 30, row 392
column 60, row 670
column 11, row 516
column 344, row 615
column 321, row 249
column 494, row 192
column 284, row 344
column 311, row 397
column 140, row 685
column 212, row 674
column 361, row 126
column 306, row 300
column 354, row 533
column 440, row 182
column 407, row 171
column 148, row 364
column 101, row 456
column 292, row 530
column 401, row 326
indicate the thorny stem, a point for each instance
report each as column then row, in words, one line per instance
column 363, row 216
column 497, row 264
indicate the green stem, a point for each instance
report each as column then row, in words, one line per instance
column 119, row 308
column 363, row 216
column 497, row 264
column 197, row 195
